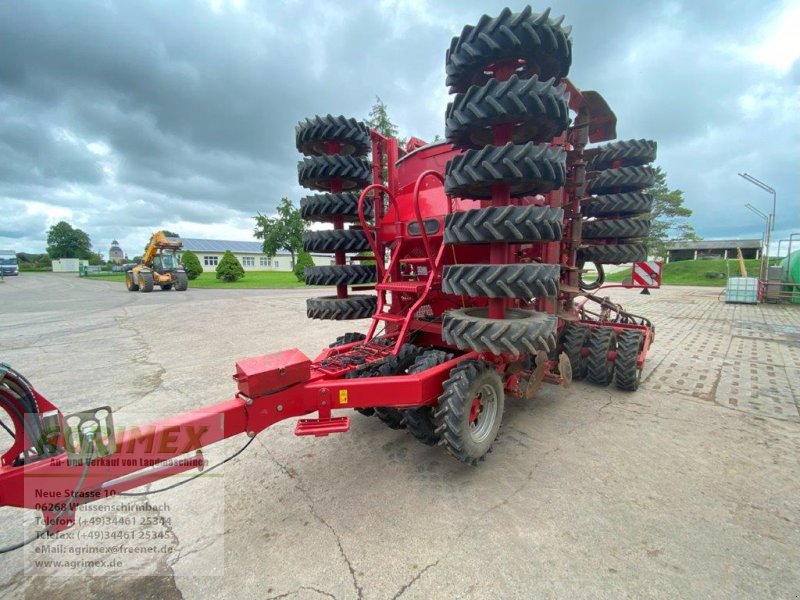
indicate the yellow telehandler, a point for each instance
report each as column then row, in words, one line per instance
column 159, row 266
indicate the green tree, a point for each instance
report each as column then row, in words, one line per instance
column 379, row 119
column 192, row 264
column 229, row 268
column 64, row 241
column 670, row 218
column 284, row 231
column 169, row 233
column 303, row 260
column 95, row 259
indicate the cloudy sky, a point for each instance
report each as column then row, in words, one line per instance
column 124, row 117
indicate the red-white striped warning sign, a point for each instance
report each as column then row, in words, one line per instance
column 647, row 274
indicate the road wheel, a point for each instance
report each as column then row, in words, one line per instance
column 624, row 179
column 340, row 274
column 470, row 410
column 348, row 338
column 543, row 44
column 514, row 224
column 130, row 282
column 537, row 110
column 526, row 281
column 612, row 254
column 627, row 374
column 165, row 287
column 145, row 281
column 615, row 228
column 326, row 207
column 181, row 282
column 352, row 135
column 573, row 340
column 419, row 421
column 599, row 367
column 527, row 169
column 619, row 205
column 341, row 309
column 331, row 240
column 520, row 332
column 318, row 172
column 624, row 153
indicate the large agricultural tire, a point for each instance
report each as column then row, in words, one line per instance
column 538, row 111
column 573, row 340
column 331, row 240
column 326, row 207
column 527, row 169
column 181, row 282
column 541, row 41
column 470, row 410
column 531, row 280
column 599, row 367
column 612, row 254
column 624, row 179
column 311, row 135
column 419, row 421
column 332, row 308
column 520, row 332
column 621, row 205
column 340, row 274
column 348, row 338
column 624, row 153
column 146, row 282
column 319, row 172
column 130, row 282
column 615, row 228
column 514, row 224
column 627, row 374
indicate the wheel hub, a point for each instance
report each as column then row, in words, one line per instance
column 482, row 413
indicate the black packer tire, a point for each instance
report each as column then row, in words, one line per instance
column 420, row 421
column 538, row 111
column 469, row 436
column 514, row 224
column 165, row 287
column 130, row 282
column 624, row 179
column 348, row 338
column 331, row 240
column 326, row 207
column 542, row 42
column 612, row 254
column 527, row 280
column 527, row 169
column 181, row 282
column 599, row 367
column 623, row 153
column 628, row 204
column 520, row 332
column 627, row 374
column 332, row 308
column 340, row 274
column 394, row 418
column 353, row 135
column 145, row 281
column 573, row 340
column 615, row 228
column 318, row 172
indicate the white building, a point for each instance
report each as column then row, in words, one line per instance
column 249, row 254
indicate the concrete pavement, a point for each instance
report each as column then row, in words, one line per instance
column 687, row 488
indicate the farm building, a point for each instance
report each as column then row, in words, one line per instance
column 249, row 254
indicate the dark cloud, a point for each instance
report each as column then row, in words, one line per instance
column 128, row 116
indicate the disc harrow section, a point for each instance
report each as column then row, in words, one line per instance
column 335, row 147
column 620, row 210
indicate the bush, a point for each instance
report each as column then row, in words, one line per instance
column 192, row 264
column 229, row 268
column 303, row 260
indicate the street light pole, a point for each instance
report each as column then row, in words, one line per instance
column 770, row 190
column 765, row 235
